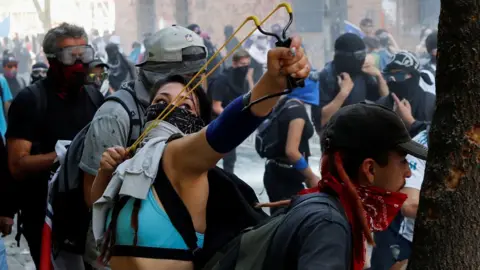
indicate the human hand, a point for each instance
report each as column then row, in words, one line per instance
column 371, row 69
column 400, row 265
column 111, row 158
column 404, row 110
column 345, row 83
column 282, row 62
column 6, row 224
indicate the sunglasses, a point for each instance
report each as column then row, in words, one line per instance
column 69, row 55
column 94, row 76
column 12, row 65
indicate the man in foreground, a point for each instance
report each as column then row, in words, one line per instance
column 364, row 167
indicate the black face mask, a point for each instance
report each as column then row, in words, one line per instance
column 239, row 75
column 348, row 64
column 183, row 119
column 406, row 89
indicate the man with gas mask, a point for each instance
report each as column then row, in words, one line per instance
column 174, row 50
column 228, row 86
column 52, row 109
column 403, row 78
column 347, row 80
column 39, row 71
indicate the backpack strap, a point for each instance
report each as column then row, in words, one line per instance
column 132, row 105
column 40, row 96
column 176, row 210
column 94, row 95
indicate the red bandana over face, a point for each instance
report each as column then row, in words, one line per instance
column 380, row 208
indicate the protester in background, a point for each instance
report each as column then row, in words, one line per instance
column 228, row 31
column 403, row 78
column 373, row 45
column 5, row 101
column 23, row 57
column 258, row 51
column 430, row 67
column 277, row 30
column 421, row 49
column 98, row 44
column 286, row 174
column 347, row 80
column 121, row 70
column 10, row 71
column 366, row 25
column 98, row 77
column 34, row 130
column 231, row 84
column 211, row 49
column 39, row 71
column 135, row 54
column 388, row 47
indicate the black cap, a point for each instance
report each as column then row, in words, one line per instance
column 369, row 126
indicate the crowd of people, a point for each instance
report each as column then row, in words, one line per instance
column 91, row 190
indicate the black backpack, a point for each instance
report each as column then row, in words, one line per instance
column 71, row 217
column 250, row 250
column 267, row 138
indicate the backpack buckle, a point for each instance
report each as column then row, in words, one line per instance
column 195, row 251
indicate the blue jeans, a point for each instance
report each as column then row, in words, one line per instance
column 3, row 256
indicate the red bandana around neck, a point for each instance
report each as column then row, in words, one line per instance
column 380, row 208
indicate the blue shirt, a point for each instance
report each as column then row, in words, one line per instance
column 6, row 96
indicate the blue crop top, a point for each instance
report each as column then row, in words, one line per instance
column 155, row 231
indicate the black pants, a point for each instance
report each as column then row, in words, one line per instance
column 229, row 161
column 32, row 227
column 281, row 183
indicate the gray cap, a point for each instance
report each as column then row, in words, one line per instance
column 175, row 49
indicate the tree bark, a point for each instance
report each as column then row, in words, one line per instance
column 44, row 15
column 448, row 221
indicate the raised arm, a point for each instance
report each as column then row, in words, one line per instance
column 193, row 155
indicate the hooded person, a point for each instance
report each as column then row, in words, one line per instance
column 121, row 69
column 403, row 78
column 347, row 80
column 430, row 68
column 39, row 71
column 10, row 71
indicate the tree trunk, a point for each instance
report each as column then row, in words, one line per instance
column 44, row 15
column 448, row 221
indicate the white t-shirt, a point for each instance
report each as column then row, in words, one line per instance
column 417, row 166
column 426, row 87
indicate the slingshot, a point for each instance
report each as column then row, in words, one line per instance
column 282, row 41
